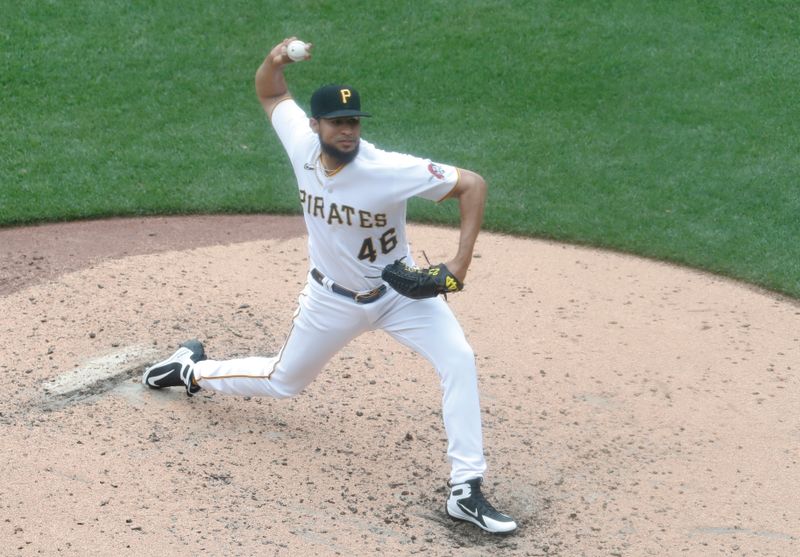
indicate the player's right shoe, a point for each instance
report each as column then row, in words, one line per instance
column 178, row 369
column 466, row 502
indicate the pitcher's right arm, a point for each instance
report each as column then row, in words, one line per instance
column 271, row 85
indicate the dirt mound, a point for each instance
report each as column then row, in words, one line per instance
column 630, row 407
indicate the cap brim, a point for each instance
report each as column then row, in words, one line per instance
column 343, row 113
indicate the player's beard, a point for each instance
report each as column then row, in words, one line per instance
column 343, row 157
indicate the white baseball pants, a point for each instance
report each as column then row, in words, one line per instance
column 325, row 322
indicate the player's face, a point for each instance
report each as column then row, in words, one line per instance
column 339, row 137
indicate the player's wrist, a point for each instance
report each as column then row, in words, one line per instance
column 458, row 266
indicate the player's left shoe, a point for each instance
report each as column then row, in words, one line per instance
column 466, row 502
column 177, row 370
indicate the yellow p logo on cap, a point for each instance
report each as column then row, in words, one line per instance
column 345, row 93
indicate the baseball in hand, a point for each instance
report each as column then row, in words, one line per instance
column 297, row 50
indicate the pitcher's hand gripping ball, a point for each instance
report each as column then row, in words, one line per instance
column 417, row 283
column 297, row 50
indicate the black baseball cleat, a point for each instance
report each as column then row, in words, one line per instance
column 466, row 502
column 177, row 370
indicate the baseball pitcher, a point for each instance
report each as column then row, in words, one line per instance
column 361, row 274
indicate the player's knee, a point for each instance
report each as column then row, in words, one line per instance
column 460, row 357
column 282, row 391
column 466, row 355
column 288, row 382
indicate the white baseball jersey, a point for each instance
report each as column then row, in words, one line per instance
column 356, row 218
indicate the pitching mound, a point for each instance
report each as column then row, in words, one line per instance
column 629, row 407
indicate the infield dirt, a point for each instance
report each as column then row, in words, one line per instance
column 630, row 407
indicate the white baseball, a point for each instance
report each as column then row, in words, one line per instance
column 297, row 50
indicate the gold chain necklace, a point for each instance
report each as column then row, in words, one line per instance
column 329, row 173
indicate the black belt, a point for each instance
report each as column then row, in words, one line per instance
column 359, row 297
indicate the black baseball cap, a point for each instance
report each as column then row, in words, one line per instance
column 336, row 101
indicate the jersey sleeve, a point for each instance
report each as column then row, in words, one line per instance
column 418, row 177
column 442, row 178
column 291, row 124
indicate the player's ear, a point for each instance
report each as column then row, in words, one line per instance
column 314, row 123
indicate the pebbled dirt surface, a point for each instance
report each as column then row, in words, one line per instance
column 630, row 407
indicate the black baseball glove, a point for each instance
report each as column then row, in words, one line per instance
column 420, row 283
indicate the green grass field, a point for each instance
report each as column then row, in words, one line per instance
column 666, row 129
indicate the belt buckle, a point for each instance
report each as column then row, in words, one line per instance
column 367, row 296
